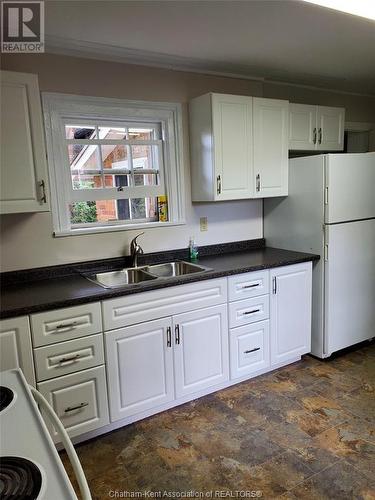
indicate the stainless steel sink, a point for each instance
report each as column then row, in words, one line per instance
column 116, row 279
column 134, row 275
column 171, row 269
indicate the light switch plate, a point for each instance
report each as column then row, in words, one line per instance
column 203, row 223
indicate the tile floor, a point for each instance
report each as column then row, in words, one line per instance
column 306, row 431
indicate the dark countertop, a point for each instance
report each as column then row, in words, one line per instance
column 44, row 294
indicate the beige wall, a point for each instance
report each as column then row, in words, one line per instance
column 27, row 241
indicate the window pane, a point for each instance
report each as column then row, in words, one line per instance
column 82, row 181
column 115, row 156
column 112, row 133
column 146, row 179
column 145, row 157
column 104, row 211
column 83, row 157
column 141, row 134
column 116, row 180
column 80, row 132
column 83, row 212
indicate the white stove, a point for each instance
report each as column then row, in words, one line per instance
column 30, row 467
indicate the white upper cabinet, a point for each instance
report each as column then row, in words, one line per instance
column 270, row 125
column 234, row 139
column 302, row 127
column 221, row 147
column 330, row 126
column 316, row 128
column 24, row 185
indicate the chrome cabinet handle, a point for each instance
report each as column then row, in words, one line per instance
column 274, row 285
column 218, row 184
column 169, row 337
column 251, row 312
column 252, row 350
column 66, row 325
column 258, row 183
column 314, row 135
column 177, row 334
column 250, row 286
column 320, row 135
column 42, row 185
column 78, row 407
column 70, row 359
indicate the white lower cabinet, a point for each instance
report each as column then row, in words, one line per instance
column 290, row 312
column 139, row 367
column 249, row 349
column 15, row 347
column 169, row 345
column 201, row 349
column 79, row 400
column 153, row 363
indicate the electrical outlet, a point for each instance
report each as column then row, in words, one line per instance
column 203, row 223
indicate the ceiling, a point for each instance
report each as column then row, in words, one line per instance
column 276, row 40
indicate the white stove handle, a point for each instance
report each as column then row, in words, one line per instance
column 68, row 445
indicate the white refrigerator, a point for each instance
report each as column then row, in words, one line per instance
column 330, row 211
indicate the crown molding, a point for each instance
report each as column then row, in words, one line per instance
column 104, row 52
column 94, row 50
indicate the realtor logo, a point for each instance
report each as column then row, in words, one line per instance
column 22, row 27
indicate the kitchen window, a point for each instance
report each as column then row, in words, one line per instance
column 114, row 164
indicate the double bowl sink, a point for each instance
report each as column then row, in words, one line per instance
column 135, row 275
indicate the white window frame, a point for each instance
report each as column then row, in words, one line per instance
column 58, row 108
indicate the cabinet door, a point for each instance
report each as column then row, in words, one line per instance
column 23, row 155
column 15, row 347
column 232, row 137
column 270, row 127
column 330, row 123
column 290, row 312
column 200, row 349
column 302, row 127
column 139, row 367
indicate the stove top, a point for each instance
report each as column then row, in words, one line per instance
column 30, row 467
column 6, row 397
column 19, row 478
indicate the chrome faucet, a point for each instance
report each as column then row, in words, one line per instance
column 135, row 250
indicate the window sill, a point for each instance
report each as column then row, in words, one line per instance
column 109, row 229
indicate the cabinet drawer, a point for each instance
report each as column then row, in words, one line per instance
column 68, row 357
column 79, row 400
column 249, row 349
column 65, row 324
column 156, row 304
column 247, row 311
column 243, row 286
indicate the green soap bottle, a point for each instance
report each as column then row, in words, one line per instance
column 193, row 249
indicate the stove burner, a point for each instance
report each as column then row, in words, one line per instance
column 19, row 478
column 6, row 397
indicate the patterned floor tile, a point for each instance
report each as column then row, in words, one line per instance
column 341, row 482
column 303, row 431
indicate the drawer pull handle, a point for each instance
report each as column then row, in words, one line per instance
column 66, row 325
column 73, row 408
column 251, row 286
column 252, row 350
column 70, row 359
column 251, row 312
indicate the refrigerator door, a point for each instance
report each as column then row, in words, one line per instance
column 350, row 184
column 349, row 285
